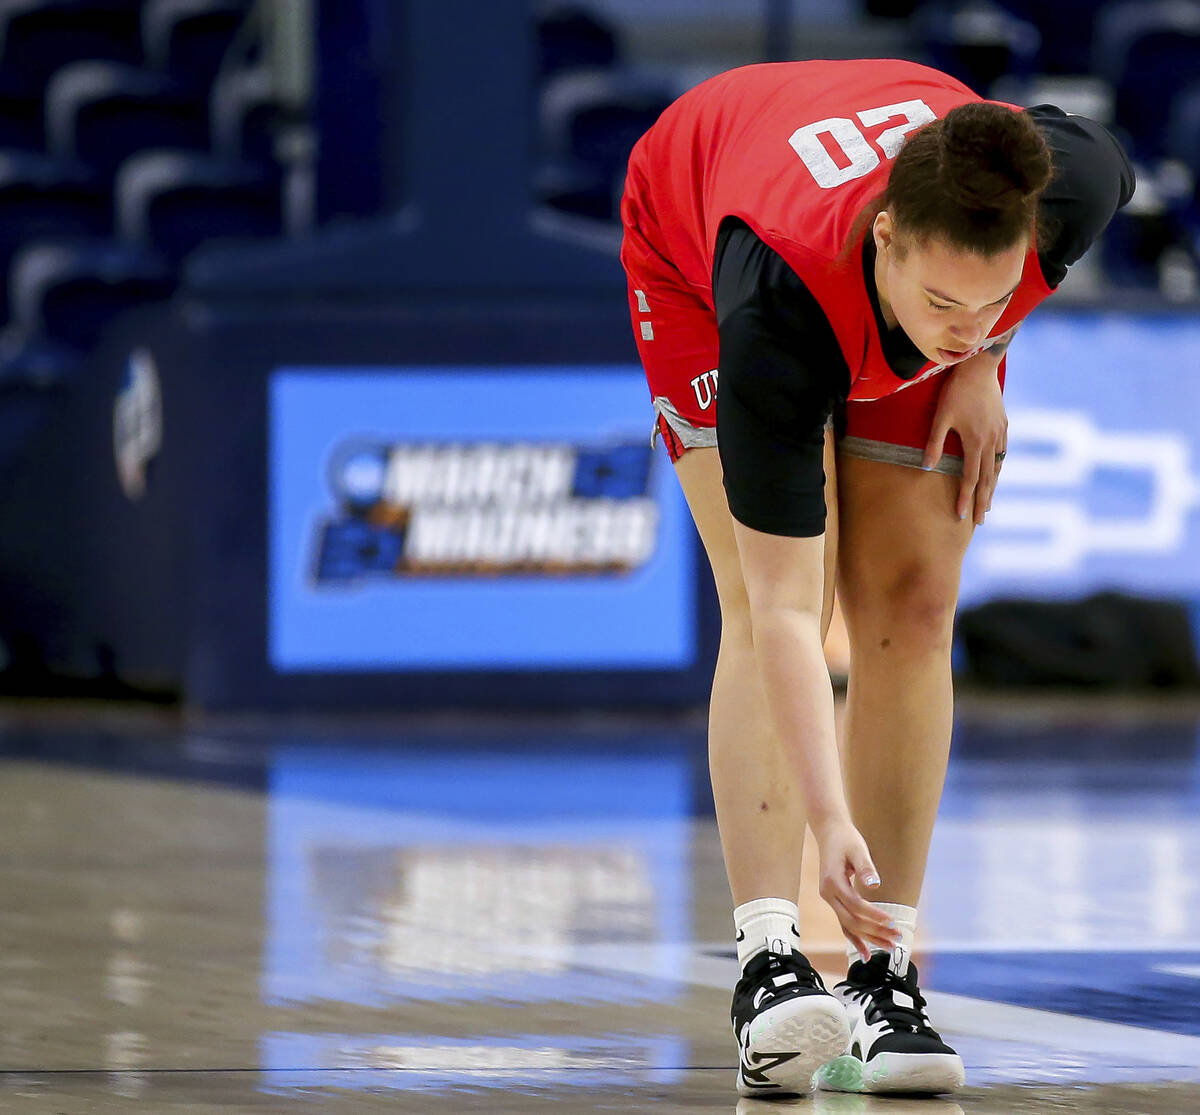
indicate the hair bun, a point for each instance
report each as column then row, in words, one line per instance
column 993, row 159
column 974, row 178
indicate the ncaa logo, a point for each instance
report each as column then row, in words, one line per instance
column 137, row 423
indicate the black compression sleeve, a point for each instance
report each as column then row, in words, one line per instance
column 1092, row 180
column 781, row 369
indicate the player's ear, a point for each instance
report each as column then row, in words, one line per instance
column 883, row 229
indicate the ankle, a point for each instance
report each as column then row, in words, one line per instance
column 905, row 918
column 766, row 925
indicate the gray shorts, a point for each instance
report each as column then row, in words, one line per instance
column 705, row 437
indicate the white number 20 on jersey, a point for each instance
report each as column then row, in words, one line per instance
column 863, row 158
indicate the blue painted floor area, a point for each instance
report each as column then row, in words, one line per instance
column 1158, row 990
column 523, row 915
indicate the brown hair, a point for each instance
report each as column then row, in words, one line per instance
column 972, row 179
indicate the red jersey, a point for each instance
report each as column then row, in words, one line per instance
column 797, row 150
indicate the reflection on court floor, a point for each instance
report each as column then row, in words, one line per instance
column 513, row 918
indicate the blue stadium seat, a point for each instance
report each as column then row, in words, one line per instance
column 1149, row 50
column 1183, row 127
column 37, row 37
column 21, row 125
column 28, row 365
column 243, row 110
column 67, row 292
column 576, row 189
column 1134, row 244
column 570, row 37
column 594, row 117
column 978, row 44
column 1066, row 29
column 188, row 38
column 1183, row 143
column 42, row 197
column 173, row 201
column 100, row 113
column 26, row 406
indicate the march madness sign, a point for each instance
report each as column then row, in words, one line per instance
column 474, row 518
column 487, row 508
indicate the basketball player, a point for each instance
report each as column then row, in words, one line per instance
column 849, row 244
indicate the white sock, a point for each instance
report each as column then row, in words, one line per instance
column 766, row 924
column 905, row 918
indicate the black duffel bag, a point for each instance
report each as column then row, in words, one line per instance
column 1109, row 640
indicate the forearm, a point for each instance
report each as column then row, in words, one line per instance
column 787, row 644
column 990, row 357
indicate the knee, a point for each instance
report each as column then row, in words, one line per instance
column 910, row 607
column 737, row 631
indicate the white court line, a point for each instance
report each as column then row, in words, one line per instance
column 938, row 947
column 1034, row 945
column 979, row 1018
column 1188, row 971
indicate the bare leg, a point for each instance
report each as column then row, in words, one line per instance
column 759, row 814
column 900, row 563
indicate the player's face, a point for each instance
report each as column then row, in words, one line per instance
column 946, row 300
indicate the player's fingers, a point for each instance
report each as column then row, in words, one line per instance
column 867, row 916
column 866, row 929
column 970, row 478
column 935, row 444
column 983, row 492
column 859, row 866
column 863, row 950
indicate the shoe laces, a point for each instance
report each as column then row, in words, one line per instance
column 780, row 974
column 881, row 1005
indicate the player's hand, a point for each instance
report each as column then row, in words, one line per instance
column 972, row 404
column 844, row 858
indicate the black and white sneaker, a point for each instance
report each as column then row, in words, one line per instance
column 893, row 1048
column 786, row 1025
